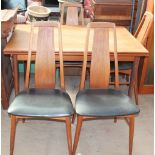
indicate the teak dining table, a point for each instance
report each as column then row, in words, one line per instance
column 73, row 40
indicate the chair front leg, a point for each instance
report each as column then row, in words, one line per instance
column 12, row 133
column 69, row 135
column 131, row 133
column 77, row 133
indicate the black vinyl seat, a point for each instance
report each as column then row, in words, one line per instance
column 42, row 103
column 104, row 102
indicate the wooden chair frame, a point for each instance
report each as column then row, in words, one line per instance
column 80, row 118
column 67, row 119
column 141, row 35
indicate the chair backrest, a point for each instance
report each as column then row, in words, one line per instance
column 74, row 13
column 144, row 27
column 47, row 36
column 102, row 37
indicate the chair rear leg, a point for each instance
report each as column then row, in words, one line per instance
column 131, row 133
column 77, row 133
column 69, row 135
column 23, row 120
column 136, row 92
column 130, row 88
column 133, row 80
column 12, row 133
column 115, row 119
column 73, row 118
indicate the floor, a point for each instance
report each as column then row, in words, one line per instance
column 101, row 137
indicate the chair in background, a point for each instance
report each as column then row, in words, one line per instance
column 99, row 101
column 141, row 35
column 43, row 101
column 74, row 13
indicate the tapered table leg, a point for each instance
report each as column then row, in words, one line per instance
column 15, row 74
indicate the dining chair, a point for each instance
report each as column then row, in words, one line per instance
column 43, row 101
column 141, row 35
column 99, row 101
column 74, row 13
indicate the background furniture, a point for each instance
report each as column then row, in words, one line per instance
column 44, row 101
column 146, row 83
column 118, row 11
column 72, row 13
column 141, row 35
column 8, row 18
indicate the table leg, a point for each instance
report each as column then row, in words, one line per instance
column 134, row 75
column 15, row 73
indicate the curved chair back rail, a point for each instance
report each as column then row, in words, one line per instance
column 74, row 13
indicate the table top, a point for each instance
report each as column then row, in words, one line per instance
column 73, row 39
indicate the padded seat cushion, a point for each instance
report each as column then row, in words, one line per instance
column 104, row 102
column 42, row 103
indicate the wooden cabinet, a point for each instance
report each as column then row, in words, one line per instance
column 6, row 77
column 7, row 23
column 118, row 11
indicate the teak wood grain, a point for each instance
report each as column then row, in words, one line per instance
column 100, row 70
column 100, row 61
column 45, row 61
column 45, row 58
